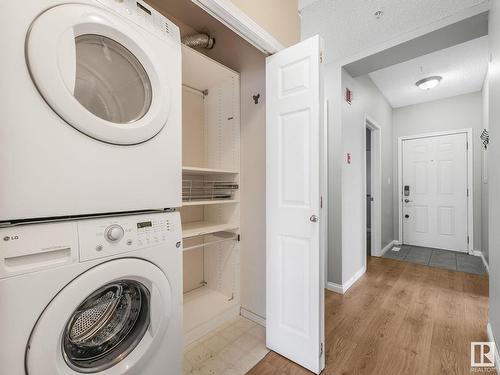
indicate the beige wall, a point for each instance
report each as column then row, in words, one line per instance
column 278, row 17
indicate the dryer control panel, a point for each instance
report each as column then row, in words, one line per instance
column 104, row 237
column 145, row 16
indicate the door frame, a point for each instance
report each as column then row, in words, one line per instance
column 376, row 186
column 470, row 180
column 238, row 21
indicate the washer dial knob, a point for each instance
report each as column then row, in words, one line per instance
column 114, row 233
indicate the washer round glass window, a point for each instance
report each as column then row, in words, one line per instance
column 106, row 326
column 110, row 81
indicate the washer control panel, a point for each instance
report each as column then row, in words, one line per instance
column 104, row 237
column 114, row 233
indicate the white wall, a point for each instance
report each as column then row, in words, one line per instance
column 494, row 170
column 458, row 112
column 484, row 175
column 368, row 101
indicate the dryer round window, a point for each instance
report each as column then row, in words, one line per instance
column 110, row 81
column 98, row 73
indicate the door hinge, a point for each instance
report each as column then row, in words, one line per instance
column 467, row 191
column 321, row 202
column 467, row 145
column 321, row 350
column 321, row 57
column 467, row 240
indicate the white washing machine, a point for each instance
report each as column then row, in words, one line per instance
column 101, row 296
column 90, row 106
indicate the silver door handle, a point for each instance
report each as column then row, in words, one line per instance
column 407, row 200
column 314, row 218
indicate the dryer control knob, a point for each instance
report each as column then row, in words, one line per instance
column 114, row 233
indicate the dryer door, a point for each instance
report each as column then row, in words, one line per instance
column 99, row 73
column 107, row 320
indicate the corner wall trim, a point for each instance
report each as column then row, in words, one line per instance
column 253, row 317
column 343, row 288
column 389, row 246
column 491, row 338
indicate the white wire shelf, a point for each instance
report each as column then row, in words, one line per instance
column 208, row 202
column 200, row 228
column 206, row 171
column 202, row 189
column 209, row 239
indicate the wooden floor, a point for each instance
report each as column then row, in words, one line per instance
column 400, row 318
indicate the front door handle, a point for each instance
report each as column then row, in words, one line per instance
column 314, row 218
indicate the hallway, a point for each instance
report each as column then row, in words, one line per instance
column 400, row 318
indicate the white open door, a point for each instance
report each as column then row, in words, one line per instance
column 295, row 265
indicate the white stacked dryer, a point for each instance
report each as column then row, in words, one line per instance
column 90, row 96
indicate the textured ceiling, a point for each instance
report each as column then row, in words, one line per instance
column 349, row 26
column 463, row 68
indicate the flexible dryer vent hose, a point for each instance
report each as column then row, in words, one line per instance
column 199, row 41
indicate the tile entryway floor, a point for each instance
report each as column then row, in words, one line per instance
column 233, row 349
column 451, row 260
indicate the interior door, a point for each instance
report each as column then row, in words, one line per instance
column 435, row 192
column 295, row 272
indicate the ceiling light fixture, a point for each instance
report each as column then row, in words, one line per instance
column 428, row 83
column 378, row 14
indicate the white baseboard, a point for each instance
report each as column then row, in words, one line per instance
column 491, row 338
column 389, row 246
column 253, row 317
column 334, row 287
column 341, row 289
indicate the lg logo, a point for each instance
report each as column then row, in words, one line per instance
column 10, row 238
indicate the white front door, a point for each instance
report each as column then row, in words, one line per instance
column 435, row 192
column 295, row 276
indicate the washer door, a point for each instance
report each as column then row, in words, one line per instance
column 98, row 73
column 109, row 320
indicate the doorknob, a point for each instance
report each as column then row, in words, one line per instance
column 314, row 218
column 407, row 200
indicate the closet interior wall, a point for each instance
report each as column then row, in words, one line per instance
column 236, row 53
column 210, row 186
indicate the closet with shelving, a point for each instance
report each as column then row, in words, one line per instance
column 210, row 210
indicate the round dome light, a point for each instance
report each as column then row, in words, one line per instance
column 428, row 83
